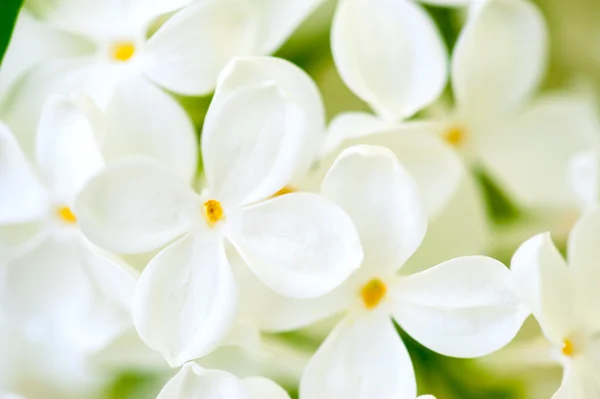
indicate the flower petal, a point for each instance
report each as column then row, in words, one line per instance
column 465, row 307
column 293, row 81
column 584, row 177
column 192, row 382
column 390, row 54
column 68, row 144
column 371, row 186
column 134, row 127
column 251, row 143
column 187, row 53
column 434, row 166
column 301, row 245
column 273, row 312
column 263, row 388
column 583, row 252
column 579, row 380
column 546, row 285
column 278, row 20
column 500, row 56
column 136, row 206
column 531, row 153
column 23, row 197
column 185, row 302
column 360, row 358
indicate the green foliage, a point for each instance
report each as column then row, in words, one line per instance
column 9, row 9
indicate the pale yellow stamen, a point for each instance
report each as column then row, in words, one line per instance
column 213, row 212
column 567, row 348
column 455, row 135
column 66, row 215
column 123, row 51
column 285, row 190
column 373, row 292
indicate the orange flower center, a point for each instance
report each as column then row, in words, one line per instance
column 373, row 292
column 66, row 215
column 213, row 212
column 123, row 51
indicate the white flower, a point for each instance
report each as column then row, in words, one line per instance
column 300, row 245
column 464, row 307
column 185, row 56
column 564, row 299
column 195, row 382
column 56, row 283
column 497, row 65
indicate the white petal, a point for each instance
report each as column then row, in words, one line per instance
column 301, row 245
column 194, row 382
column 23, row 198
column 144, row 12
column 352, row 125
column 185, row 302
column 584, row 177
column 546, row 285
column 60, row 287
column 390, row 54
column 500, row 56
column 465, row 307
column 293, row 81
column 583, row 251
column 136, row 206
column 278, row 20
column 187, row 53
column 262, row 388
column 530, row 154
column 434, row 166
column 371, row 186
column 33, row 41
column 273, row 312
column 64, row 76
column 134, row 127
column 250, row 143
column 579, row 380
column 362, row 358
column 67, row 144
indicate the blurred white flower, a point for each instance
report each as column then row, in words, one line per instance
column 195, row 382
column 56, row 283
column 564, row 300
column 185, row 55
column 300, row 245
column 464, row 307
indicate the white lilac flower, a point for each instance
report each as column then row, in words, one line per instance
column 195, row 382
column 498, row 63
column 564, row 298
column 185, row 55
column 56, row 284
column 253, row 141
column 464, row 307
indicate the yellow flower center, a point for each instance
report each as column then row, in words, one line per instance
column 373, row 292
column 123, row 51
column 455, row 135
column 567, row 348
column 285, row 190
column 213, row 212
column 66, row 215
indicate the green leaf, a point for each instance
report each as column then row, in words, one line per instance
column 9, row 9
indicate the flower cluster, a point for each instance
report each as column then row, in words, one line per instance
column 130, row 242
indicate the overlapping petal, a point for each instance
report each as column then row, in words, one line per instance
column 547, row 287
column 390, row 54
column 192, row 381
column 301, row 245
column 360, row 358
column 263, row 388
column 134, row 126
column 500, row 56
column 380, row 196
column 23, row 197
column 465, row 307
column 185, row 301
column 250, row 144
column 68, row 144
column 187, row 53
column 136, row 206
